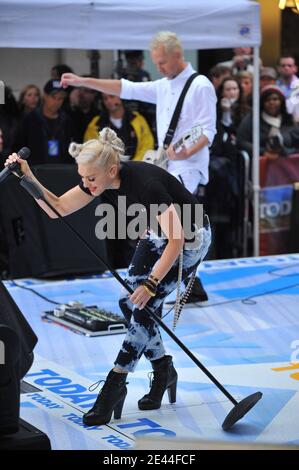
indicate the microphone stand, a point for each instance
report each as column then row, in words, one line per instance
column 240, row 408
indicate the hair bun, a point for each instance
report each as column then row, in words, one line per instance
column 109, row 136
column 75, row 149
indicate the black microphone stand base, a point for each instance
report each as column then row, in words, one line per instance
column 240, row 410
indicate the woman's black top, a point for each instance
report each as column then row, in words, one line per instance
column 148, row 184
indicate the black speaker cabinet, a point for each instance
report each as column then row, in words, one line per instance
column 17, row 341
column 42, row 247
column 27, row 438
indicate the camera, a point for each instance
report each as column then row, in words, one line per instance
column 275, row 143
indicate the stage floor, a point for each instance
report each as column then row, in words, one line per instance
column 247, row 334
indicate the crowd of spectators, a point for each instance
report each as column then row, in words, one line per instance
column 48, row 120
column 279, row 135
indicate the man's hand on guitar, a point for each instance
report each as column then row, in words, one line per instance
column 181, row 154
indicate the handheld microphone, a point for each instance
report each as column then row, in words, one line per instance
column 24, row 153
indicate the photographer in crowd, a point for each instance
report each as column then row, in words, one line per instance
column 242, row 60
column 276, row 126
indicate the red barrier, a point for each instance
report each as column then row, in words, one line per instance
column 276, row 180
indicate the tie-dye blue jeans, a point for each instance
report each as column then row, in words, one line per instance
column 143, row 336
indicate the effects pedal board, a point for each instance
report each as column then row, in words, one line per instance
column 90, row 320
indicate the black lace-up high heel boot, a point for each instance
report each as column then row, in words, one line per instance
column 165, row 378
column 111, row 398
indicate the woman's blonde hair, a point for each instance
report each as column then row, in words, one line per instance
column 105, row 151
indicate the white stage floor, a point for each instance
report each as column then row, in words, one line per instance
column 247, row 334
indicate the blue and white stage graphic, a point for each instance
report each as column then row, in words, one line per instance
column 247, row 334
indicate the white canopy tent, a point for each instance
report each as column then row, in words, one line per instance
column 130, row 24
column 123, row 24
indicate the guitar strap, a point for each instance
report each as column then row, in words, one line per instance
column 180, row 300
column 176, row 114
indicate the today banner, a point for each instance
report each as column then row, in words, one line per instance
column 276, row 179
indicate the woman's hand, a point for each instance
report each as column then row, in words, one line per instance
column 23, row 163
column 225, row 104
column 140, row 297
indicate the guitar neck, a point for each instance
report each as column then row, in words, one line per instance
column 191, row 136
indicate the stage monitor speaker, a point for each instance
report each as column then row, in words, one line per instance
column 27, row 438
column 11, row 316
column 39, row 246
column 17, row 341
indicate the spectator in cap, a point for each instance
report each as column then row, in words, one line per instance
column 52, row 86
column 275, row 126
column 268, row 76
column 46, row 130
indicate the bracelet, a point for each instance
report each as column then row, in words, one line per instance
column 152, row 294
column 151, row 285
column 154, row 279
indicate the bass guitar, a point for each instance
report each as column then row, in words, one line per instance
column 159, row 156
